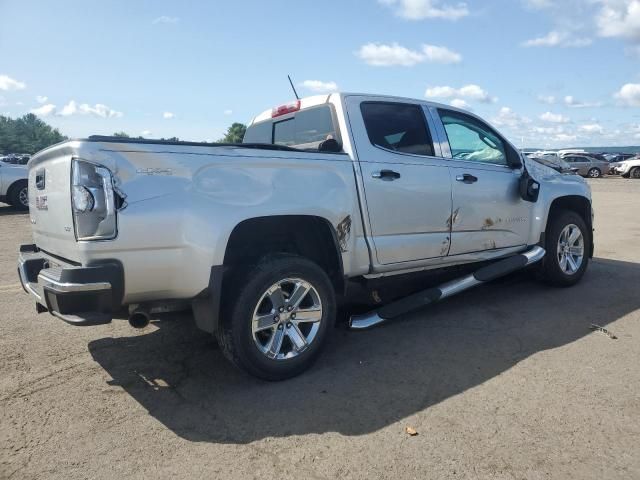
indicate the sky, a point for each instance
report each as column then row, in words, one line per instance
column 545, row 73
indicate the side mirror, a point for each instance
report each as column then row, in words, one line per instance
column 529, row 188
column 330, row 145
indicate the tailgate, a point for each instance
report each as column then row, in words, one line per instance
column 50, row 205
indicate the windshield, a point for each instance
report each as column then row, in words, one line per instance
column 305, row 130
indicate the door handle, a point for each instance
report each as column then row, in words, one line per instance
column 466, row 178
column 388, row 175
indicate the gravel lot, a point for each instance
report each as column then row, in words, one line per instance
column 505, row 381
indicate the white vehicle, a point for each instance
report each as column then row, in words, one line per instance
column 261, row 240
column 13, row 185
column 629, row 168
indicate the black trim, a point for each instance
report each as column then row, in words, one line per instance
column 410, row 303
column 501, row 268
column 144, row 141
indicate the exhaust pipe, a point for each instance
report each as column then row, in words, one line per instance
column 139, row 318
column 433, row 295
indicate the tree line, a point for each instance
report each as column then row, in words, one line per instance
column 27, row 134
column 30, row 134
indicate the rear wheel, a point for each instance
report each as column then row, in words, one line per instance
column 594, row 173
column 567, row 245
column 635, row 172
column 280, row 314
column 19, row 196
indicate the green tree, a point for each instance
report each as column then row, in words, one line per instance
column 121, row 135
column 27, row 134
column 235, row 133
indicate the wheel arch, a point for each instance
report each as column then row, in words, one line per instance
column 575, row 203
column 310, row 236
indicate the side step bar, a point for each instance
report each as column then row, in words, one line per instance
column 433, row 295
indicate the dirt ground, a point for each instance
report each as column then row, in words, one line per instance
column 506, row 381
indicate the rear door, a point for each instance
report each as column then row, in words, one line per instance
column 581, row 163
column 488, row 212
column 407, row 187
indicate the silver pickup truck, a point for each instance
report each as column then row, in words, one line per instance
column 327, row 196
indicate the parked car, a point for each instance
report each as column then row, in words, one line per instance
column 587, row 165
column 13, row 185
column 325, row 196
column 629, row 168
column 617, row 160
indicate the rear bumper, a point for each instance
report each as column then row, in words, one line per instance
column 80, row 295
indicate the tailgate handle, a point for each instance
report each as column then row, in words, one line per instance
column 40, row 179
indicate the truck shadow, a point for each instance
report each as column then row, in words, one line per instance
column 364, row 381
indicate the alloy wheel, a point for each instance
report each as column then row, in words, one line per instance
column 286, row 319
column 570, row 249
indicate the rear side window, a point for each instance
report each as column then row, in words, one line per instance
column 471, row 140
column 305, row 130
column 400, row 127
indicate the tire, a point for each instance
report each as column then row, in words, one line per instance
column 553, row 270
column 594, row 173
column 18, row 195
column 634, row 172
column 249, row 339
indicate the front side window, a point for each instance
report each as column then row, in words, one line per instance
column 471, row 140
column 399, row 127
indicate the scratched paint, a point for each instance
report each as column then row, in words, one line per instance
column 343, row 230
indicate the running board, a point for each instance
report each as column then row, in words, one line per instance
column 433, row 295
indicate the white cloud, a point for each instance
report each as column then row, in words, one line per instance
column 7, row 83
column 619, row 18
column 228, row 112
column 565, row 137
column 508, row 118
column 558, row 39
column 99, row 110
column 44, row 110
column 165, row 19
column 146, row 133
column 553, row 118
column 591, row 128
column 436, row 54
column 629, row 95
column 423, row 9
column 168, row 115
column 547, row 99
column 459, row 103
column 572, row 102
column 319, row 86
column 382, row 55
column 41, row 99
column 69, row 109
column 471, row 92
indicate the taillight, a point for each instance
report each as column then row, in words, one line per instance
column 92, row 201
column 284, row 109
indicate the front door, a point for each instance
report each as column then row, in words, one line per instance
column 406, row 186
column 488, row 212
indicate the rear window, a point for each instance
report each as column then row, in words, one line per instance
column 305, row 130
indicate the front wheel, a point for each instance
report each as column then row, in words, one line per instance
column 594, row 173
column 635, row 172
column 567, row 245
column 279, row 315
